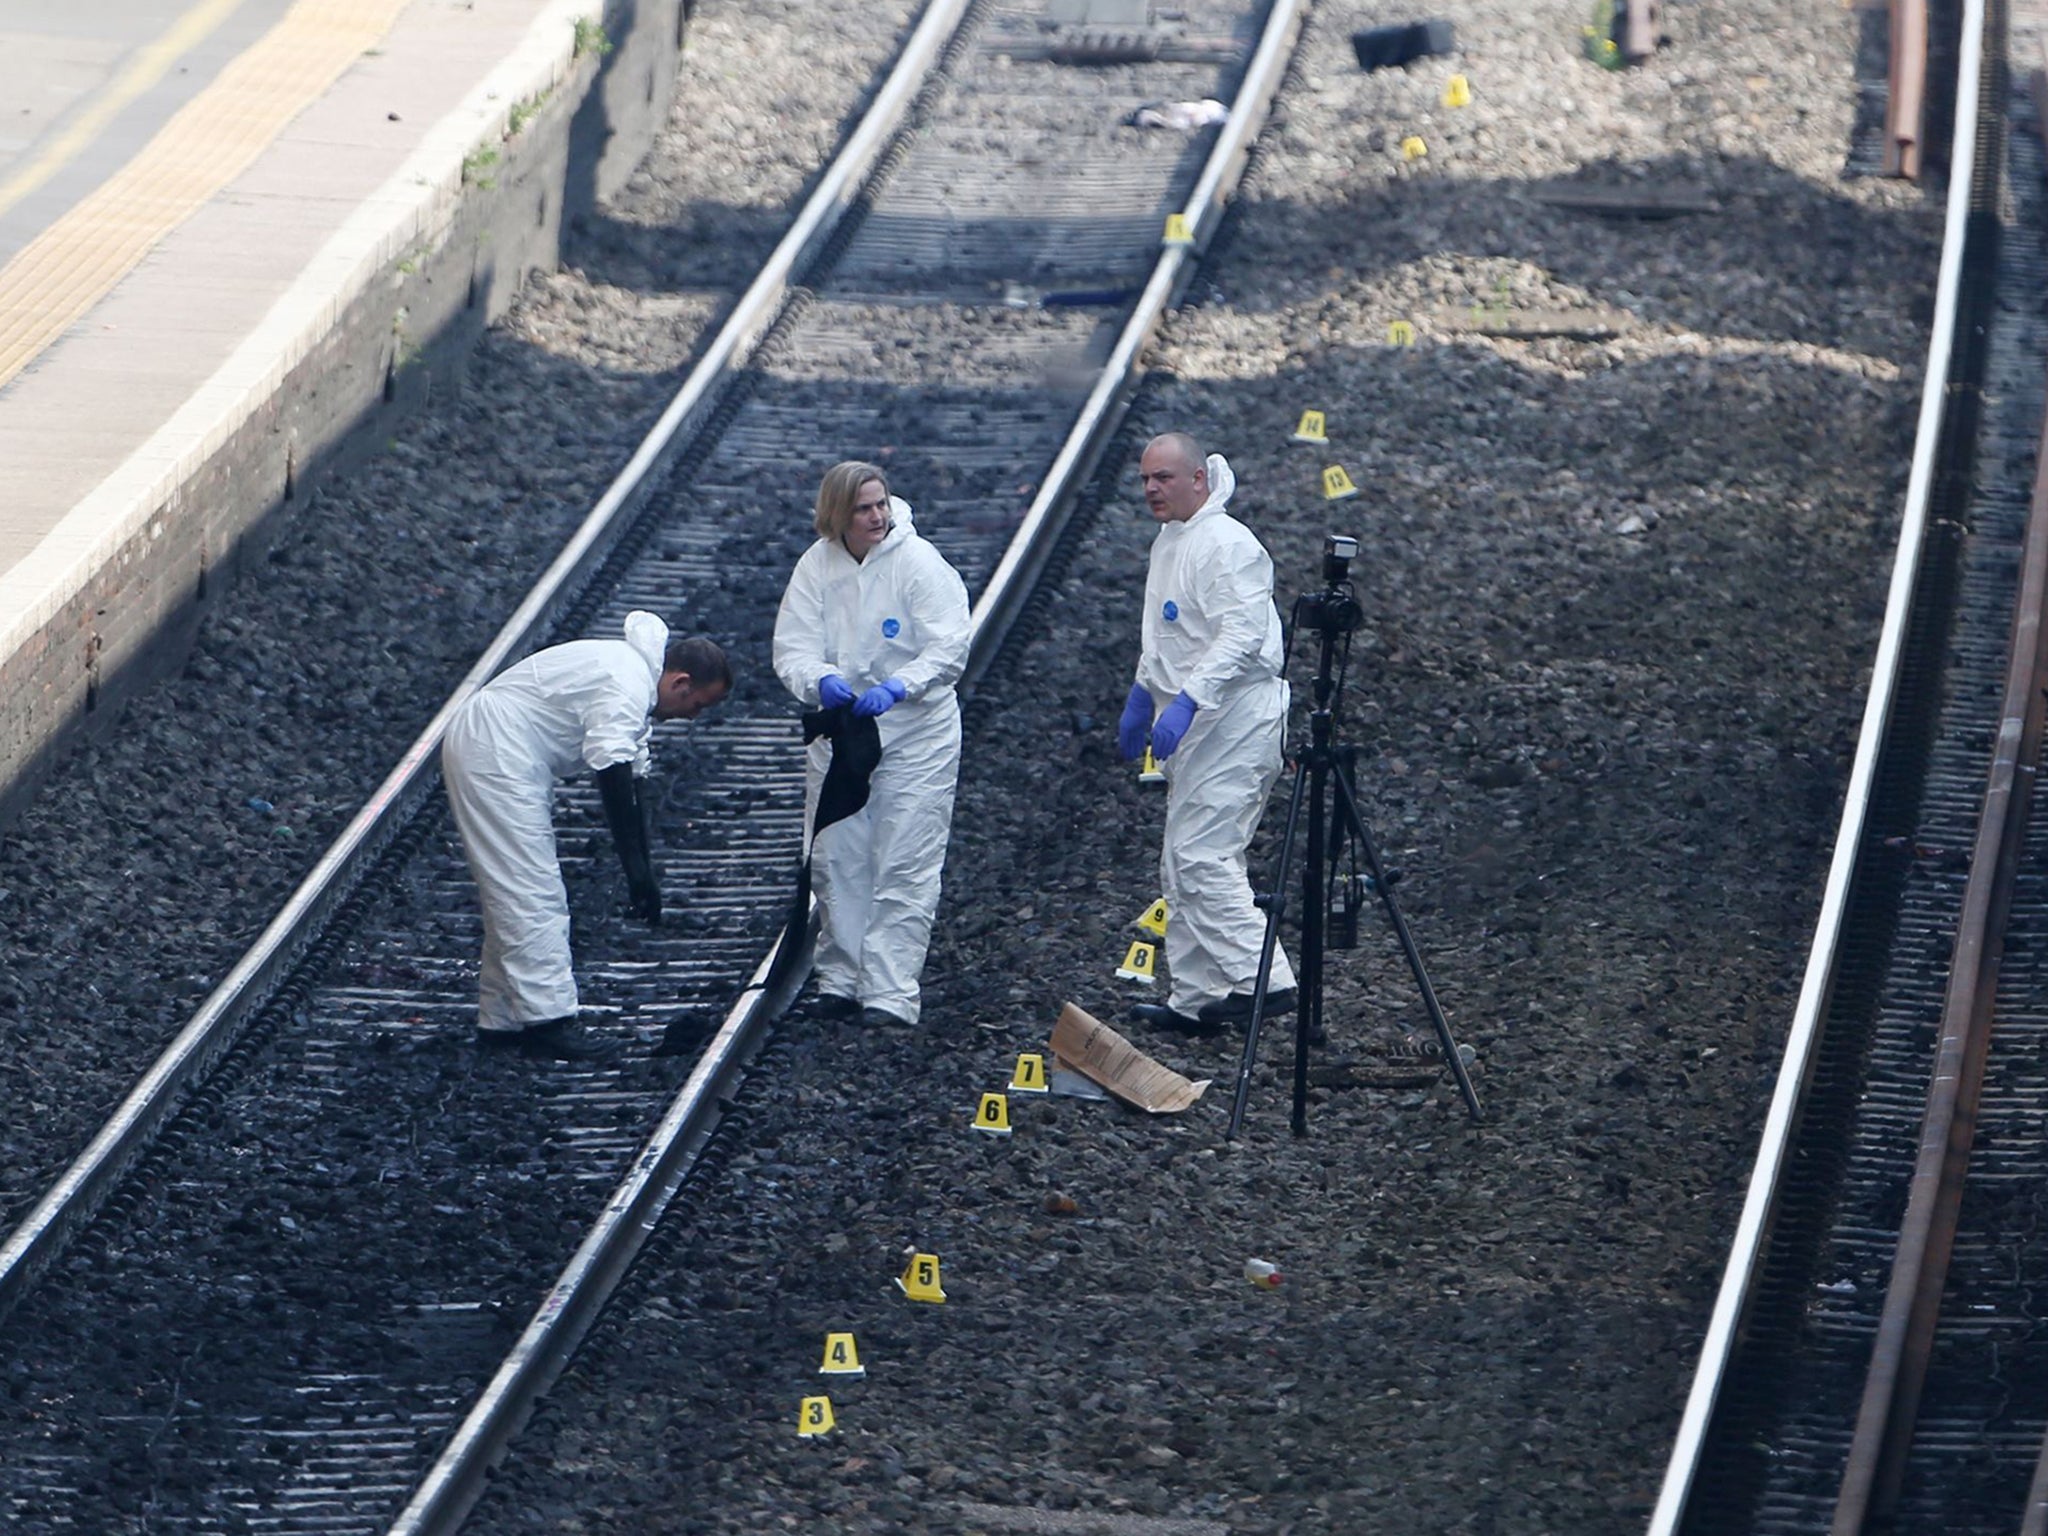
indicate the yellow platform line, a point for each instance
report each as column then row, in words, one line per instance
column 212, row 139
column 149, row 65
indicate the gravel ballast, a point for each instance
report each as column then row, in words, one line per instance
column 1621, row 600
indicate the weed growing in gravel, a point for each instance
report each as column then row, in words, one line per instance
column 524, row 112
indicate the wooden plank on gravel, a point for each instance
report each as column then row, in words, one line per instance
column 1631, row 201
column 1596, row 324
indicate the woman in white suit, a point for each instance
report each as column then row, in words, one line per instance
column 875, row 621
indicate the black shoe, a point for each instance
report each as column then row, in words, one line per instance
column 881, row 1018
column 563, row 1039
column 1164, row 1016
column 832, row 1005
column 1237, row 1008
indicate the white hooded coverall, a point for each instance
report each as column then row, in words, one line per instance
column 901, row 613
column 584, row 705
column 1211, row 631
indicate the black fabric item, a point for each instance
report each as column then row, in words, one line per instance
column 687, row 1032
column 1391, row 47
column 856, row 753
column 621, row 795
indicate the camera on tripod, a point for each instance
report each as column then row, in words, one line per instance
column 1336, row 609
column 1325, row 806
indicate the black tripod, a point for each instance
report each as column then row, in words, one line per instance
column 1335, row 820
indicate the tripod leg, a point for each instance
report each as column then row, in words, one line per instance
column 1274, row 912
column 1309, row 984
column 1347, row 803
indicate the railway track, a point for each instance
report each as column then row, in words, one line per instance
column 1877, row 1359
column 240, row 1309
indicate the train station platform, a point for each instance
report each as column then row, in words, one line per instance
column 229, row 231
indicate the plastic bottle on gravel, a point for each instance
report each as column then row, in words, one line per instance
column 1265, row 1276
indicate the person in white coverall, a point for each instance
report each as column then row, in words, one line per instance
column 1210, row 702
column 584, row 705
column 874, row 621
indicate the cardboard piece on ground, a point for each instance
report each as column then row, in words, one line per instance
column 1089, row 1046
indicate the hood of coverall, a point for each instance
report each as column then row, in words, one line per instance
column 902, row 529
column 1222, row 486
column 648, row 636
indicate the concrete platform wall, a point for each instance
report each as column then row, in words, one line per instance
column 404, row 335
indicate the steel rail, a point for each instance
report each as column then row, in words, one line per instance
column 1802, row 1042
column 223, row 1017
column 1912, row 1306
column 1906, row 100
column 451, row 1487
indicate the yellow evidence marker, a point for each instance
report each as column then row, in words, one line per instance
column 1149, row 771
column 1412, row 147
column 1457, row 92
column 1153, row 919
column 1177, row 230
column 814, row 1416
column 1337, row 485
column 920, row 1278
column 993, row 1117
column 1400, row 333
column 842, row 1357
column 1311, row 429
column 1030, row 1074
column 1138, row 964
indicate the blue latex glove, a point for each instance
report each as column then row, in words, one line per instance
column 880, row 699
column 1136, row 724
column 1174, row 721
column 833, row 691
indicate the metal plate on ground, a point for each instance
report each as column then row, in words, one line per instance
column 1068, row 1083
column 1631, row 201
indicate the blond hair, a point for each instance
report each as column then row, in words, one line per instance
column 838, row 492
